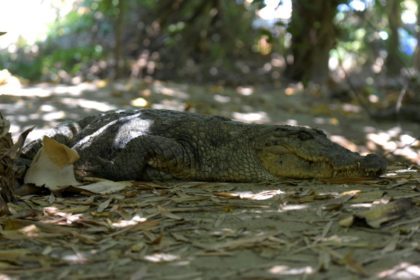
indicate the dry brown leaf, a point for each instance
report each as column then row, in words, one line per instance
column 324, row 260
column 368, row 196
column 52, row 166
column 15, row 150
column 13, row 255
column 337, row 203
column 347, row 221
column 7, row 266
column 392, row 244
column 167, row 213
column 104, row 205
column 20, row 228
column 354, row 265
column 245, row 242
column 59, row 153
column 105, row 186
column 145, row 226
column 348, row 180
column 385, row 212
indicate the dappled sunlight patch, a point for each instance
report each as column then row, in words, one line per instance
column 254, row 117
column 342, row 141
column 292, row 122
column 293, row 89
column 173, row 104
column 400, row 172
column 47, row 108
column 168, row 90
column 64, row 218
column 337, row 240
column 287, row 270
column 139, row 102
column 84, row 103
column 222, row 98
column 351, row 108
column 245, row 91
column 72, row 90
column 76, row 258
column 263, row 195
column 361, row 205
column 30, row 231
column 293, row 207
column 46, row 90
column 161, row 257
column 397, row 143
column 403, row 270
column 136, row 219
column 52, row 116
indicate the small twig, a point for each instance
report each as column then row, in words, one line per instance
column 352, row 88
column 400, row 98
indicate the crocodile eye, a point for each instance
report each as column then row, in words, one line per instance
column 304, row 135
column 320, row 132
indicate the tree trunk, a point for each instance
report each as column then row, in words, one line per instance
column 118, row 30
column 393, row 60
column 313, row 36
column 417, row 53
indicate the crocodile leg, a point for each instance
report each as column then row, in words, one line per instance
column 156, row 158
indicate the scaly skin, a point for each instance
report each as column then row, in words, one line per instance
column 150, row 144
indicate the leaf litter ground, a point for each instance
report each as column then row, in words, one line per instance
column 196, row 230
column 342, row 229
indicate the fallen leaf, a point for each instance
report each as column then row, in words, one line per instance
column 6, row 266
column 104, row 205
column 13, row 255
column 105, row 186
column 59, row 153
column 363, row 197
column 385, row 212
column 338, row 202
column 347, row 221
column 350, row 262
column 52, row 166
column 324, row 260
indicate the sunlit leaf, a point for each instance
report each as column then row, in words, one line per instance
column 52, row 166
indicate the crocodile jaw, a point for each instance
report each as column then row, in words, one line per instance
column 281, row 162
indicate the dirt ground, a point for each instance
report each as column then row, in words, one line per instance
column 295, row 229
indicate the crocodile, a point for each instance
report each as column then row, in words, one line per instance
column 160, row 145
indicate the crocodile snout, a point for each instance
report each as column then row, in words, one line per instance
column 373, row 164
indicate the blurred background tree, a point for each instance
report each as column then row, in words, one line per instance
column 314, row 34
column 228, row 42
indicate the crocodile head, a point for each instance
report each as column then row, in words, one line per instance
column 298, row 152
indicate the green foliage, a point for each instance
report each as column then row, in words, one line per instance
column 74, row 22
column 72, row 60
column 209, row 33
column 180, row 38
